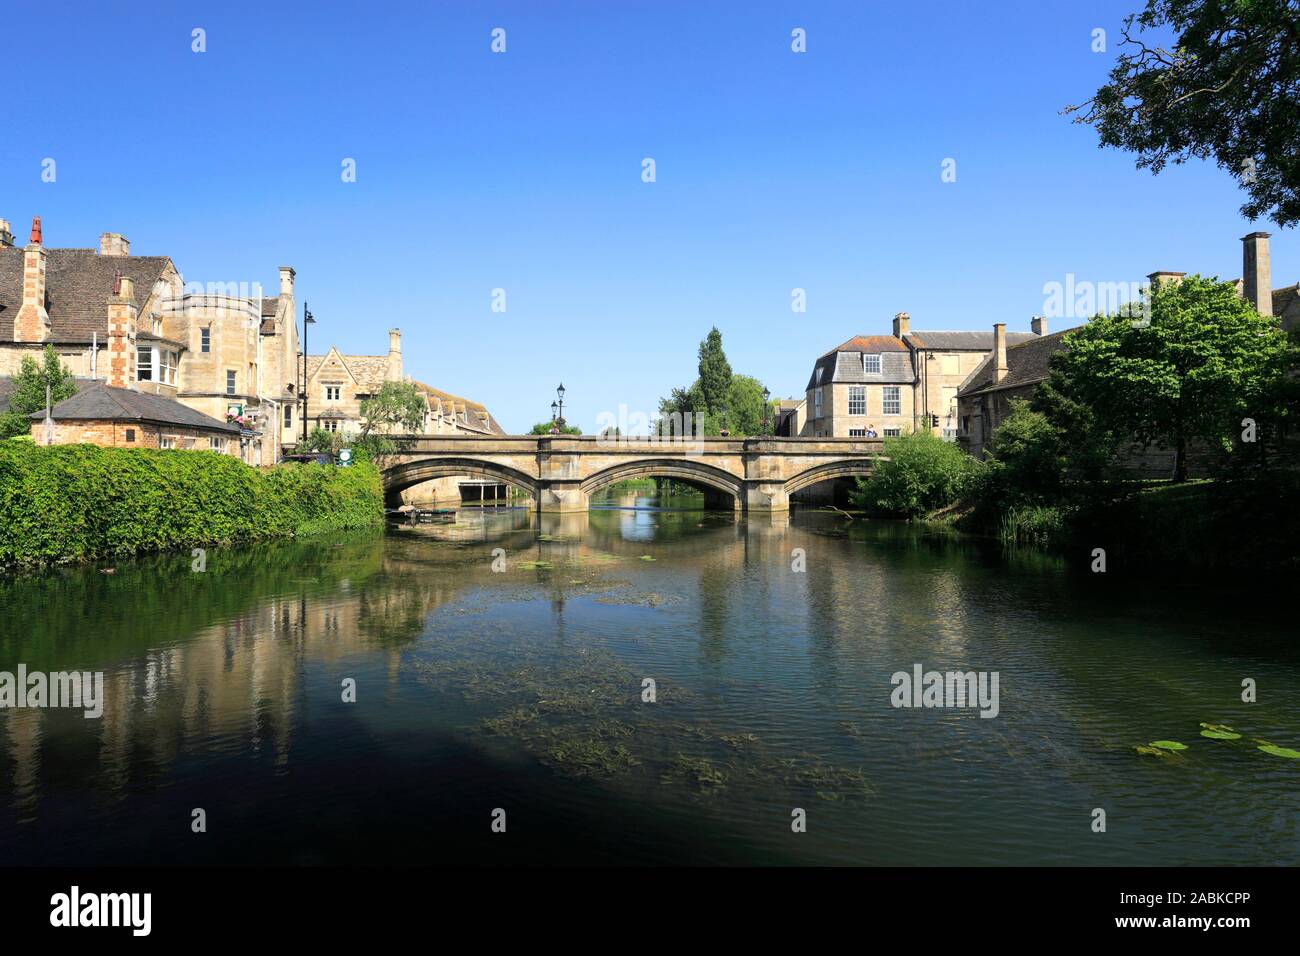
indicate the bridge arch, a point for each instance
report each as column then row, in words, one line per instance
column 683, row 469
column 398, row 478
column 849, row 468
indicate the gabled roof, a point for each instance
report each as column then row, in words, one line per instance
column 369, row 372
column 100, row 402
column 78, row 285
column 1027, row 364
column 959, row 341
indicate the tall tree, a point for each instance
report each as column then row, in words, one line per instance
column 715, row 373
column 1206, row 361
column 1227, row 88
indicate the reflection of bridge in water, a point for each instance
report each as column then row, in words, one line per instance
column 561, row 473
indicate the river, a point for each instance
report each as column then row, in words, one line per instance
column 501, row 662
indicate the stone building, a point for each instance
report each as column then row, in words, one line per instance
column 942, row 361
column 130, row 322
column 863, row 385
column 895, row 384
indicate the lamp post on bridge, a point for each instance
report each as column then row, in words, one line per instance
column 767, row 408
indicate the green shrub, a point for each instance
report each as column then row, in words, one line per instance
column 81, row 502
column 923, row 474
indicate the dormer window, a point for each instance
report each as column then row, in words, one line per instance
column 871, row 364
column 818, row 375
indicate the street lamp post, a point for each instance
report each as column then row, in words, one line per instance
column 559, row 420
column 767, row 408
column 307, row 320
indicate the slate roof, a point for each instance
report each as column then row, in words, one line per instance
column 1283, row 299
column 7, row 388
column 963, row 341
column 843, row 364
column 78, row 285
column 1027, row 364
column 478, row 415
column 100, row 402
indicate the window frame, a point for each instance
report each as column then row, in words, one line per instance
column 867, row 357
column 858, row 398
column 896, row 402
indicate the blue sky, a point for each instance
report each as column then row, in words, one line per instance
column 522, row 171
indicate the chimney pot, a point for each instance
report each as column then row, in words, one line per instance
column 114, row 244
column 36, row 231
column 287, row 275
column 902, row 324
column 1256, row 272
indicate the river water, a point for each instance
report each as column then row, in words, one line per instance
column 501, row 662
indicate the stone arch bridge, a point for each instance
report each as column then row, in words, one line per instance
column 561, row 472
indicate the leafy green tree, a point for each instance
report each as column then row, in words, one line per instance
column 1226, row 88
column 544, row 428
column 923, row 473
column 717, row 400
column 318, row 439
column 715, row 373
column 1206, row 361
column 745, row 406
column 399, row 408
column 29, row 391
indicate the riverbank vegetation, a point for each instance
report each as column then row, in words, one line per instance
column 69, row 503
column 1206, row 381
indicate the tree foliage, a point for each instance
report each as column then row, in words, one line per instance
column 399, row 408
column 717, row 400
column 1226, row 88
column 922, row 473
column 29, row 391
column 544, row 428
column 1206, row 361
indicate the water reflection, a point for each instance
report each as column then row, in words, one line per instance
column 770, row 641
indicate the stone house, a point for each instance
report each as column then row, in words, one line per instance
column 130, row 322
column 865, row 384
column 895, row 384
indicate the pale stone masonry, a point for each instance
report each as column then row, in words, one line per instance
column 892, row 385
column 130, row 322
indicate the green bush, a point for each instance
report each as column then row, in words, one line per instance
column 81, row 502
column 923, row 474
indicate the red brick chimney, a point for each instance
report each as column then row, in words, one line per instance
column 122, row 312
column 32, row 322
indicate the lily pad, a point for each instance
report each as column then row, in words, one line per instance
column 1168, row 745
column 647, row 557
column 1216, row 727
column 1220, row 735
column 1277, row 751
column 1152, row 751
